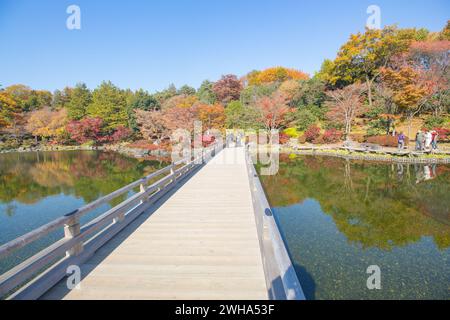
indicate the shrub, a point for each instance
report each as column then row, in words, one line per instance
column 319, row 140
column 433, row 122
column 291, row 132
column 304, row 118
column 284, row 138
column 121, row 134
column 386, row 141
column 85, row 130
column 358, row 137
column 302, row 139
column 312, row 133
column 332, row 136
column 444, row 134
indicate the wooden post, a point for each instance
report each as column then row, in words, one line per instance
column 71, row 230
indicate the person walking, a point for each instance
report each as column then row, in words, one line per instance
column 419, row 138
column 401, row 141
column 434, row 139
column 428, row 139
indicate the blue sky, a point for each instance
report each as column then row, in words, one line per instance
column 150, row 44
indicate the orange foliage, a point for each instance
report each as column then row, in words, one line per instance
column 276, row 74
column 212, row 116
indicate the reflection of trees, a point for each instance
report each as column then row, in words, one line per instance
column 369, row 202
column 29, row 177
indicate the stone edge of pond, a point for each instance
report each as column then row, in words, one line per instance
column 131, row 152
column 355, row 155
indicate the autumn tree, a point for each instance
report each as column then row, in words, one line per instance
column 179, row 101
column 180, row 118
column 109, row 104
column 211, row 116
column 46, row 123
column 85, row 130
column 276, row 74
column 445, row 33
column 364, row 54
column 409, row 88
column 8, row 108
column 80, row 99
column 27, row 99
column 431, row 60
column 273, row 110
column 227, row 89
column 152, row 124
column 345, row 105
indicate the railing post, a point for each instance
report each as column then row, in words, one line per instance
column 71, row 230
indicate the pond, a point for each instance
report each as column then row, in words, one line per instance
column 338, row 217
column 37, row 187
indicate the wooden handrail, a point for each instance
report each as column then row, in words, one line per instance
column 72, row 245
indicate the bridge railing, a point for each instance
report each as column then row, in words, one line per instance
column 36, row 275
column 281, row 279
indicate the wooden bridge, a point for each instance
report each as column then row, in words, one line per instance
column 203, row 230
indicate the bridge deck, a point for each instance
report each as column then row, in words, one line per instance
column 201, row 243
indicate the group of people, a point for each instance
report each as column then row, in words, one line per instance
column 426, row 140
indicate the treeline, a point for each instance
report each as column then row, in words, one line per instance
column 384, row 77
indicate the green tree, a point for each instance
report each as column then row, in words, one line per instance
column 238, row 116
column 80, row 99
column 310, row 93
column 206, row 94
column 110, row 104
column 142, row 100
column 166, row 94
column 186, row 90
column 61, row 98
column 252, row 93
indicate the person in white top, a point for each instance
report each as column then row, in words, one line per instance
column 428, row 138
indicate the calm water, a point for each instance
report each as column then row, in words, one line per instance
column 36, row 188
column 338, row 217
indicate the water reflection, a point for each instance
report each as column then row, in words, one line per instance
column 36, row 188
column 339, row 216
column 27, row 178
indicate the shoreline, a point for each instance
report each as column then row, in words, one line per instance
column 313, row 151
column 361, row 155
column 121, row 149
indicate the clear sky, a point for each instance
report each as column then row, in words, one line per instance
column 150, row 44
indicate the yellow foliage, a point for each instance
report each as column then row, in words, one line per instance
column 274, row 74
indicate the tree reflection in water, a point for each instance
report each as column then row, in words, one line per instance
column 340, row 216
column 27, row 178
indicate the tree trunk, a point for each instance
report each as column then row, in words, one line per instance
column 369, row 90
column 410, row 118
